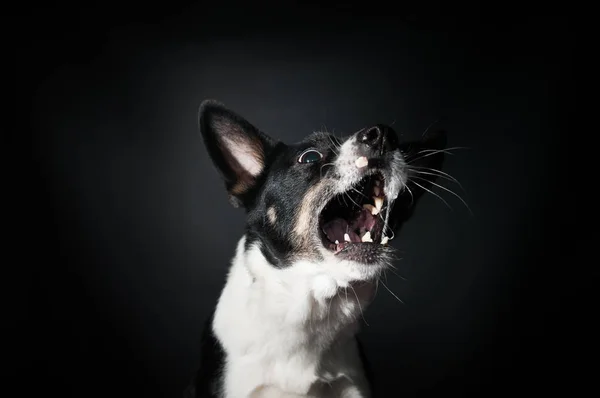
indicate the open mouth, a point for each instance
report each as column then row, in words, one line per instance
column 355, row 218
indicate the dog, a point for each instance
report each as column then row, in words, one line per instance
column 320, row 216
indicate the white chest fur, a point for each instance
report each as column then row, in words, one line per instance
column 289, row 332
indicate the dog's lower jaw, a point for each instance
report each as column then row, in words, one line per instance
column 289, row 329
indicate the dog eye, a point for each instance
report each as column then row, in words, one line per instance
column 310, row 156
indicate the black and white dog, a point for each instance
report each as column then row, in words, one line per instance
column 320, row 216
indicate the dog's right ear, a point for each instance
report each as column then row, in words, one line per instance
column 237, row 148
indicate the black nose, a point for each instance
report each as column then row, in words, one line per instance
column 379, row 137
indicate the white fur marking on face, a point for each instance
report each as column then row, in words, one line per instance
column 362, row 162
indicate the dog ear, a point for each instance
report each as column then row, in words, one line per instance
column 425, row 159
column 237, row 148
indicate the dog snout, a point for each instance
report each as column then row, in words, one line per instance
column 379, row 138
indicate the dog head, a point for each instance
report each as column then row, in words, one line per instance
column 326, row 200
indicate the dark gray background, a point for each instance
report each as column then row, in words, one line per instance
column 134, row 226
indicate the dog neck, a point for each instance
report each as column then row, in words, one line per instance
column 296, row 316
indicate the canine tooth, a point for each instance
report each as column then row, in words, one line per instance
column 347, row 237
column 337, row 242
column 384, row 240
column 367, row 237
column 376, row 191
column 378, row 203
column 374, row 210
column 361, row 162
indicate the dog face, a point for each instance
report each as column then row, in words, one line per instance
column 336, row 202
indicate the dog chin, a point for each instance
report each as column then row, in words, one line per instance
column 350, row 271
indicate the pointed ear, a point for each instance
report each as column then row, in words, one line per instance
column 425, row 159
column 237, row 148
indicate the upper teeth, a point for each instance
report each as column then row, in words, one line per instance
column 374, row 210
column 378, row 203
column 366, row 237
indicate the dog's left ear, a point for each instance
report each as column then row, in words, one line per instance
column 237, row 148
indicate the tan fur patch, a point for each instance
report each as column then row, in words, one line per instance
column 272, row 214
column 306, row 216
column 241, row 187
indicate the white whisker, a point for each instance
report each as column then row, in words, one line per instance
column 344, row 199
column 449, row 178
column 431, row 192
column 360, row 193
column 412, row 197
column 428, row 127
column 441, row 173
column 429, row 152
column 352, row 200
column 321, row 169
column 359, row 306
column 448, row 190
column 445, row 150
column 333, row 146
column 392, row 293
column 398, row 275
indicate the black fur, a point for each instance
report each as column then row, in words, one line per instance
column 283, row 188
column 367, row 367
column 207, row 380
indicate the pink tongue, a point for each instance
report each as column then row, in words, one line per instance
column 336, row 229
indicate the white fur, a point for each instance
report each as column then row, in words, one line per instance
column 289, row 332
column 349, row 174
